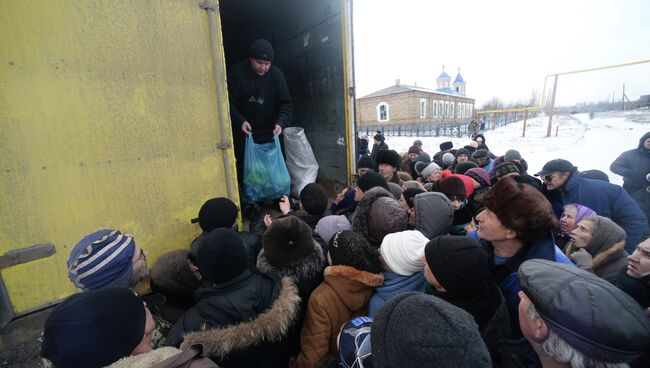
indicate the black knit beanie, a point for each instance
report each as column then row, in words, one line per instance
column 409, row 195
column 221, row 256
column 216, row 213
column 94, row 328
column 314, row 199
column 457, row 262
column 349, row 248
column 418, row 330
column 261, row 49
column 379, row 136
column 464, row 166
column 462, row 151
column 370, row 180
column 365, row 161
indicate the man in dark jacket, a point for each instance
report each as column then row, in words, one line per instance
column 234, row 303
column 564, row 185
column 259, row 99
column 378, row 145
column 634, row 166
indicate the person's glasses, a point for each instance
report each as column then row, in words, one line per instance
column 548, row 177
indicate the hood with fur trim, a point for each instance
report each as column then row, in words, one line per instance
column 146, row 360
column 433, row 214
column 269, row 327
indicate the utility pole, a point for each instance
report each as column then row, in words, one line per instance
column 551, row 108
column 623, row 98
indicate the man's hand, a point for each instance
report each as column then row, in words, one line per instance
column 277, row 130
column 285, row 205
column 246, row 128
column 340, row 196
column 267, row 220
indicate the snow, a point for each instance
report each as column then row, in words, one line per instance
column 588, row 144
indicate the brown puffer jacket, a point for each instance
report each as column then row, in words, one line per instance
column 344, row 294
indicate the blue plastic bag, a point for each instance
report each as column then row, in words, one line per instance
column 265, row 172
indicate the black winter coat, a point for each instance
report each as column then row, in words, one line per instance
column 376, row 148
column 633, row 166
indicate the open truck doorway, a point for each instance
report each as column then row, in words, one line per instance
column 311, row 40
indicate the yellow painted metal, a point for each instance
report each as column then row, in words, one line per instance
column 346, row 34
column 108, row 118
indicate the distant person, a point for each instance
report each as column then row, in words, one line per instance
column 378, row 145
column 410, row 158
column 344, row 203
column 482, row 158
column 388, row 165
column 565, row 185
column 472, row 128
column 362, row 145
column 462, row 155
column 634, row 166
column 260, row 103
column 575, row 319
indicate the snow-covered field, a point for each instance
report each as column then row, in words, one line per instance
column 588, row 144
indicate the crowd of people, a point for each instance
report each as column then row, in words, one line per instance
column 456, row 259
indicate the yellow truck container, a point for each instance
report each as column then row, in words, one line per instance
column 114, row 114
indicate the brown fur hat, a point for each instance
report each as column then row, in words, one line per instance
column 521, row 208
column 288, row 240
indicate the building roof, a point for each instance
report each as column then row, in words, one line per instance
column 395, row 89
column 459, row 79
column 443, row 75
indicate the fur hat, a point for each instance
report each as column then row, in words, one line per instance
column 457, row 262
column 462, row 167
column 389, row 157
column 287, row 241
column 452, row 186
column 370, row 180
column 403, row 251
column 448, row 158
column 94, row 329
column 216, row 213
column 261, row 49
column 512, row 155
column 414, row 329
column 462, row 151
column 102, row 259
column 510, row 200
column 472, row 144
column 506, row 168
column 221, row 256
column 480, row 175
column 365, row 161
column 354, row 343
column 429, row 169
column 348, row 248
column 314, row 199
column 171, row 273
column 329, row 225
column 590, row 314
column 444, row 146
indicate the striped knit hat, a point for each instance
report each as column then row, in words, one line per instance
column 103, row 258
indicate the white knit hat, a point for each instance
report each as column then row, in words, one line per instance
column 403, row 251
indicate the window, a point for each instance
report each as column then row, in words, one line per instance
column 383, row 112
column 423, row 108
column 453, row 105
column 469, row 112
column 446, row 114
column 434, row 109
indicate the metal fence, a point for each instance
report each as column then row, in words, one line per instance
column 416, row 130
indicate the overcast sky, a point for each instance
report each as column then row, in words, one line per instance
column 504, row 48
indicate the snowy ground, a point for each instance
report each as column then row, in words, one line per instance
column 588, row 144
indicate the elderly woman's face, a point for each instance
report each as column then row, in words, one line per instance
column 568, row 219
column 581, row 235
